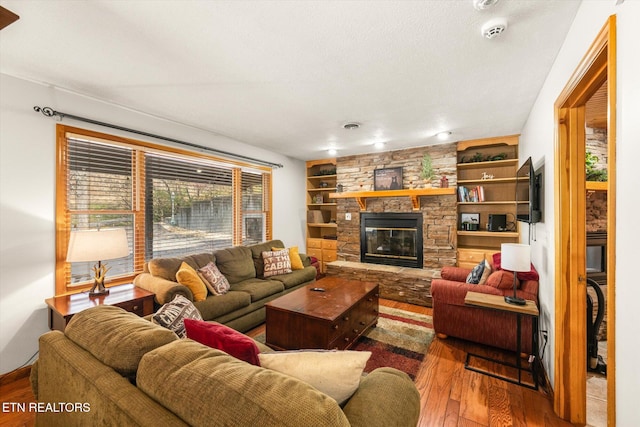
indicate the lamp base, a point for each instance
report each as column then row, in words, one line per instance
column 98, row 290
column 515, row 300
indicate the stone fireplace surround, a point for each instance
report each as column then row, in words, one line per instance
column 355, row 173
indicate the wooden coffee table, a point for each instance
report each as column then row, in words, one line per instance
column 331, row 319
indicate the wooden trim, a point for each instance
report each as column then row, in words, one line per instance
column 15, row 375
column 612, row 90
column 472, row 143
column 596, row 67
column 139, row 148
column 362, row 196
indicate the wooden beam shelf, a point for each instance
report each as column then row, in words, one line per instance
column 362, row 196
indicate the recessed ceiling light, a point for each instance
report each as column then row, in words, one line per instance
column 483, row 4
column 443, row 135
column 351, row 125
column 379, row 145
column 333, row 151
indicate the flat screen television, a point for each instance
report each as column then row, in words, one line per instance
column 528, row 193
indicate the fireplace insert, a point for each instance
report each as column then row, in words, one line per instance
column 391, row 238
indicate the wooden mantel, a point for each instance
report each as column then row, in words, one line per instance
column 362, row 196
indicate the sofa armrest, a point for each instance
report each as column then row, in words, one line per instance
column 306, row 261
column 456, row 274
column 165, row 290
column 531, row 288
column 400, row 405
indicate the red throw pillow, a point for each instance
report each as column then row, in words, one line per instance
column 221, row 337
column 502, row 279
column 523, row 275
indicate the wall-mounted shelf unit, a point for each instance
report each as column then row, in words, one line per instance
column 413, row 194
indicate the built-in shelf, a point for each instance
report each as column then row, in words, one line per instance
column 324, row 225
column 487, row 181
column 313, row 190
column 491, row 202
column 594, row 186
column 489, row 233
column 321, row 177
column 415, row 194
column 322, row 204
column 489, row 164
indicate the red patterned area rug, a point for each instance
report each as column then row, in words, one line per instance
column 400, row 340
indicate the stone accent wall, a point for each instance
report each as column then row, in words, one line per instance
column 404, row 284
column 597, row 201
column 355, row 173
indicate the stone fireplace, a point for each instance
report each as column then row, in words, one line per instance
column 391, row 238
column 435, row 239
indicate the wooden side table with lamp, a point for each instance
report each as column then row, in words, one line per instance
column 97, row 246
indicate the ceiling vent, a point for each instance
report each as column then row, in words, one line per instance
column 494, row 28
column 483, row 4
column 351, row 126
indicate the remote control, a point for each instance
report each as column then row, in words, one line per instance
column 317, row 289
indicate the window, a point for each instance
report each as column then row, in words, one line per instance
column 171, row 202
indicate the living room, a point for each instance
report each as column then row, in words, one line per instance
column 28, row 181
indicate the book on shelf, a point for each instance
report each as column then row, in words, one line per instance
column 471, row 195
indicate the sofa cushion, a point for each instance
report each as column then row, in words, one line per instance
column 116, row 337
column 218, row 305
column 476, row 274
column 236, row 264
column 276, row 262
column 221, row 337
column 522, row 275
column 294, row 257
column 204, row 387
column 214, row 279
column 256, row 253
column 502, row 279
column 335, row 373
column 189, row 277
column 296, row 277
column 168, row 267
column 258, row 288
column 172, row 315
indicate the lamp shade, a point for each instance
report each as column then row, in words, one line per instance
column 515, row 257
column 97, row 245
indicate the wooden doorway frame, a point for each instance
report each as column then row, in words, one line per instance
column 597, row 66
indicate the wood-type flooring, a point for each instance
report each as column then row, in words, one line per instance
column 450, row 394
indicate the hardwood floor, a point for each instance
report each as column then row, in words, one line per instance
column 450, row 394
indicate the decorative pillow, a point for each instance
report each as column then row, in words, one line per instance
column 502, row 279
column 276, row 262
column 485, row 273
column 476, row 273
column 522, row 275
column 221, row 337
column 335, row 373
column 172, row 315
column 188, row 277
column 214, row 280
column 294, row 256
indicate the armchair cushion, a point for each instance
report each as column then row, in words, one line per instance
column 522, row 275
column 502, row 279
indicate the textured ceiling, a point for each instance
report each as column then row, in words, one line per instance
column 287, row 75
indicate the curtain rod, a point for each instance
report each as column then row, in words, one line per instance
column 50, row 112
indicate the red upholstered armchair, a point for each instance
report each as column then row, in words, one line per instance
column 452, row 317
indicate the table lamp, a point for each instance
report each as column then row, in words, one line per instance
column 515, row 257
column 98, row 245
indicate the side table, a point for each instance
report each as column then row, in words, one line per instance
column 129, row 297
column 497, row 302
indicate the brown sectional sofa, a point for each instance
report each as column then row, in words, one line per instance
column 242, row 308
column 452, row 317
column 117, row 369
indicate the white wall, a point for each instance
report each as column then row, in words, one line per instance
column 27, row 190
column 537, row 141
